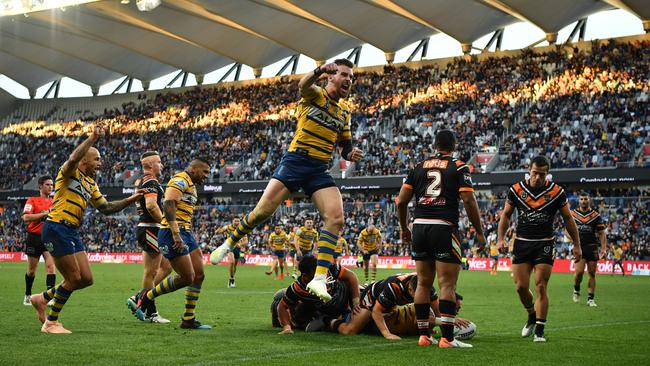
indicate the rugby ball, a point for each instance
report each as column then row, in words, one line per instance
column 465, row 333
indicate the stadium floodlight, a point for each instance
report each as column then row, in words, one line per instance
column 16, row 7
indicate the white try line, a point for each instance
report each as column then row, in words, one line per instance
column 382, row 344
column 235, row 292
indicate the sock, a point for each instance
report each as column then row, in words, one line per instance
column 531, row 314
column 374, row 275
column 29, row 282
column 576, row 289
column 590, row 297
column 244, row 228
column 191, row 297
column 365, row 275
column 326, row 248
column 422, row 315
column 150, row 304
column 165, row 286
column 61, row 296
column 50, row 280
column 539, row 328
column 49, row 294
column 448, row 317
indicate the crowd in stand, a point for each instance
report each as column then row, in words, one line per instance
column 582, row 109
column 625, row 211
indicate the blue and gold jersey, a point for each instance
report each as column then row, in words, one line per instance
column 369, row 241
column 340, row 244
column 322, row 122
column 71, row 197
column 278, row 241
column 185, row 207
column 306, row 238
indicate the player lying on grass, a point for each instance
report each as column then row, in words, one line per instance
column 297, row 303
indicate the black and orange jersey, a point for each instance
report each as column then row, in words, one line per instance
column 306, row 238
column 297, row 292
column 536, row 208
column 71, row 197
column 152, row 188
column 369, row 241
column 185, row 207
column 437, row 184
column 388, row 293
column 589, row 223
column 322, row 123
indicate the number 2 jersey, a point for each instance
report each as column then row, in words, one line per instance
column 437, row 183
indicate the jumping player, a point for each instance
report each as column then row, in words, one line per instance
column 323, row 122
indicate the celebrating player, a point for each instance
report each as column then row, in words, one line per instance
column 323, row 121
column 437, row 184
column 278, row 241
column 537, row 201
column 178, row 245
column 592, row 232
column 74, row 188
column 35, row 212
column 369, row 243
column 156, row 268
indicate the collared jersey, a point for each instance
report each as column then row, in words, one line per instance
column 185, row 207
column 71, row 197
column 306, row 238
column 436, row 184
column 589, row 223
column 36, row 205
column 152, row 188
column 536, row 208
column 369, row 241
column 278, row 241
column 322, row 122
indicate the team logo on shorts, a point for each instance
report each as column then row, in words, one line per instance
column 49, row 246
column 164, row 250
column 547, row 249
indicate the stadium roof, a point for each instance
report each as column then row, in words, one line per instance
column 101, row 41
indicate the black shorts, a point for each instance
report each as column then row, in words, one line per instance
column 366, row 257
column 34, row 246
column 533, row 251
column 436, row 242
column 148, row 239
column 590, row 253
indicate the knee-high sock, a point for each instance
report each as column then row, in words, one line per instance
column 164, row 287
column 192, row 293
column 29, row 282
column 61, row 296
column 326, row 249
column 244, row 228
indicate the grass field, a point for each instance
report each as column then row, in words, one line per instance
column 105, row 332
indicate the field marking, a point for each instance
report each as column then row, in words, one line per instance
column 235, row 292
column 394, row 343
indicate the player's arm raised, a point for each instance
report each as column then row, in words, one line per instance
column 504, row 223
column 306, row 84
column 172, row 197
column 474, row 215
column 572, row 229
column 80, row 151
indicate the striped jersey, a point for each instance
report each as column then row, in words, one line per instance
column 340, row 244
column 185, row 207
column 369, row 241
column 436, row 184
column 306, row 238
column 322, row 123
column 589, row 222
column 536, row 208
column 71, row 197
column 278, row 241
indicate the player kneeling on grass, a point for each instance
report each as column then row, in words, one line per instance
column 298, row 305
